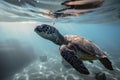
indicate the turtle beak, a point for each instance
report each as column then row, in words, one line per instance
column 38, row 29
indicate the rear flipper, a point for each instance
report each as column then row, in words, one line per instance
column 71, row 58
column 106, row 62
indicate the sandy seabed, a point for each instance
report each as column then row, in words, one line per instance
column 52, row 69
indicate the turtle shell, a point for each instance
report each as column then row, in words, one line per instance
column 87, row 48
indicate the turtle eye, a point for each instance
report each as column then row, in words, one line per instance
column 48, row 28
column 45, row 29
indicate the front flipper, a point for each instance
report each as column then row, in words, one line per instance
column 70, row 57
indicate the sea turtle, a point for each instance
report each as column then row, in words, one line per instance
column 74, row 49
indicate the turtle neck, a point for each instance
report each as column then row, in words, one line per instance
column 61, row 40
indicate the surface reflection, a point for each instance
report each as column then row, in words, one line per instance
column 65, row 8
column 74, row 8
column 78, row 7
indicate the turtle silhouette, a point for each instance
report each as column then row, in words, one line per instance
column 74, row 49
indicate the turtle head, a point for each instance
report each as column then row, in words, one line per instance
column 50, row 33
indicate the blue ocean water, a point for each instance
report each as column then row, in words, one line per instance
column 24, row 55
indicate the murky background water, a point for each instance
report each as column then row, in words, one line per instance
column 26, row 56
